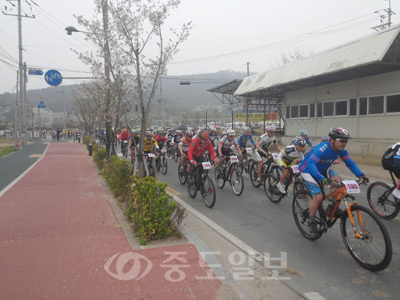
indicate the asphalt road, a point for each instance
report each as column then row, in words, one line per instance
column 323, row 266
column 16, row 163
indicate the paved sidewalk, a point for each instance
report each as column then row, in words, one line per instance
column 60, row 239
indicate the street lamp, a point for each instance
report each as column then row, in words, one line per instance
column 71, row 29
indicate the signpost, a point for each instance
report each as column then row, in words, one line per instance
column 35, row 72
column 53, row 77
column 41, row 105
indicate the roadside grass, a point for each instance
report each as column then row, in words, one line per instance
column 6, row 147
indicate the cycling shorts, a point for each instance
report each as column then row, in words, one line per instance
column 226, row 152
column 260, row 155
column 312, row 184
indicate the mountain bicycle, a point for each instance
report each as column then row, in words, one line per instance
column 269, row 167
column 183, row 172
column 246, row 161
column 149, row 160
column 272, row 191
column 161, row 162
column 381, row 200
column 229, row 171
column 201, row 181
column 363, row 233
column 124, row 148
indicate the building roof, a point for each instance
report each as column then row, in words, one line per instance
column 374, row 54
column 227, row 90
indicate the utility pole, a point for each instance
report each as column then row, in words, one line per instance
column 22, row 82
column 248, row 69
column 389, row 13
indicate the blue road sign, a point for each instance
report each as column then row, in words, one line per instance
column 41, row 105
column 53, row 77
column 35, row 72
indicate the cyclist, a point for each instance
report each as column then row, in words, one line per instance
column 289, row 156
column 149, row 143
column 196, row 150
column 213, row 136
column 227, row 143
column 161, row 140
column 184, row 146
column 304, row 136
column 124, row 136
column 133, row 142
column 262, row 146
column 242, row 141
column 315, row 166
column 391, row 162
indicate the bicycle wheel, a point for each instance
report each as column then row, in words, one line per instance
column 249, row 164
column 381, row 200
column 271, row 189
column 237, row 183
column 220, row 177
column 158, row 165
column 298, row 186
column 253, row 175
column 192, row 190
column 164, row 165
column 301, row 214
column 182, row 175
column 208, row 192
column 367, row 239
column 275, row 171
column 152, row 171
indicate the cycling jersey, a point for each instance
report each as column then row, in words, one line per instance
column 177, row 138
column 227, row 144
column 124, row 135
column 148, row 143
column 197, row 149
column 391, row 159
column 266, row 141
column 213, row 139
column 161, row 140
column 288, row 155
column 185, row 143
column 321, row 158
column 243, row 139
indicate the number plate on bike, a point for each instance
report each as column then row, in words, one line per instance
column 295, row 169
column 151, row 155
column 206, row 165
column 249, row 150
column 234, row 159
column 163, row 150
column 275, row 156
column 352, row 186
column 125, row 141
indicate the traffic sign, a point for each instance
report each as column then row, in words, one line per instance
column 35, row 72
column 41, row 105
column 53, row 77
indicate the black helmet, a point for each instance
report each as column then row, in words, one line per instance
column 337, row 133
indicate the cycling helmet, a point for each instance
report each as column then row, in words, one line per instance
column 324, row 139
column 339, row 132
column 230, row 132
column 178, row 131
column 203, row 135
column 223, row 132
column 213, row 130
column 189, row 133
column 161, row 132
column 303, row 132
column 299, row 141
column 247, row 129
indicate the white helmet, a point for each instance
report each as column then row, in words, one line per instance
column 247, row 129
column 270, row 128
column 231, row 132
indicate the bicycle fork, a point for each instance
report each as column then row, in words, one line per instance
column 359, row 234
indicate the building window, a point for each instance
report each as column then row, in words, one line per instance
column 328, row 109
column 304, row 111
column 294, row 111
column 312, row 110
column 287, row 112
column 363, row 106
column 393, row 104
column 319, row 110
column 341, row 108
column 353, row 107
column 376, row 105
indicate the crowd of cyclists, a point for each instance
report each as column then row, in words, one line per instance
column 313, row 163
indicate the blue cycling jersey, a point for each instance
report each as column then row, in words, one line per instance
column 243, row 139
column 321, row 157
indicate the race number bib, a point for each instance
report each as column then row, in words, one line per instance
column 352, row 186
column 275, row 156
column 151, row 155
column 172, row 143
column 249, row 150
column 295, row 169
column 234, row 159
column 163, row 150
column 125, row 141
column 206, row 165
column 232, row 146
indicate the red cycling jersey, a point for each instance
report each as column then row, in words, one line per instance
column 197, row 149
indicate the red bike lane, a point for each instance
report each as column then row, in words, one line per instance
column 60, row 239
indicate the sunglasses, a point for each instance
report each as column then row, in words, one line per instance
column 342, row 141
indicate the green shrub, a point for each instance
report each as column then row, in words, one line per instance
column 86, row 140
column 150, row 210
column 99, row 156
column 116, row 171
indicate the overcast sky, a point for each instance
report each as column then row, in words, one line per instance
column 226, row 35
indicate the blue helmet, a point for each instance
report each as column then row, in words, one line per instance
column 303, row 132
column 299, row 141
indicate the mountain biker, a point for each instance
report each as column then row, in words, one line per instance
column 161, row 140
column 316, row 164
column 184, row 147
column 262, row 146
column 391, row 162
column 244, row 138
column 213, row 136
column 289, row 156
column 196, row 150
column 124, row 136
column 227, row 143
column 304, row 136
column 149, row 143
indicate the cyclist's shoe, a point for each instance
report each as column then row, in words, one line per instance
column 281, row 188
column 396, row 193
column 313, row 228
column 258, row 180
